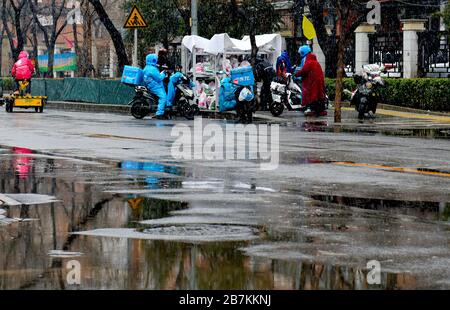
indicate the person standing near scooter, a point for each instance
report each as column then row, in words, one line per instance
column 283, row 66
column 313, row 83
column 154, row 79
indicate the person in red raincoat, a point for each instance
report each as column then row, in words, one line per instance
column 313, row 84
column 23, row 69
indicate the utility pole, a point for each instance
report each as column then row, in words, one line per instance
column 194, row 18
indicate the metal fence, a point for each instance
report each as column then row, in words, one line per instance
column 434, row 54
column 387, row 50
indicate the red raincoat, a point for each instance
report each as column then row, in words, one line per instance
column 313, row 80
column 23, row 69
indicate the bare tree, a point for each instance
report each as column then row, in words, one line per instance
column 115, row 34
column 14, row 14
column 349, row 15
column 51, row 32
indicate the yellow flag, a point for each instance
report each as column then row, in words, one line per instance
column 308, row 29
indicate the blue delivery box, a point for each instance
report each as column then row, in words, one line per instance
column 132, row 76
column 243, row 76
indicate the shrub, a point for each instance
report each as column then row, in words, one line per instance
column 426, row 93
column 8, row 83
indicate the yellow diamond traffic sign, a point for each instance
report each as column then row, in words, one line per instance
column 135, row 20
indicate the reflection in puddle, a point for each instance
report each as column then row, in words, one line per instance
column 422, row 133
column 148, row 209
column 155, row 180
column 122, row 251
column 429, row 210
column 22, row 163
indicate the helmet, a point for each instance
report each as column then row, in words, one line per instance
column 304, row 50
column 151, row 59
column 23, row 54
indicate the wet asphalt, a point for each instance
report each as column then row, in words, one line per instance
column 105, row 190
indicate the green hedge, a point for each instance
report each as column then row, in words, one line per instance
column 6, row 83
column 426, row 94
column 83, row 90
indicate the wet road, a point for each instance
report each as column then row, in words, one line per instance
column 105, row 191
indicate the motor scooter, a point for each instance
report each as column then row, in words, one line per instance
column 366, row 95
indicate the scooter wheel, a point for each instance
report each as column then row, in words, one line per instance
column 140, row 109
column 9, row 106
column 196, row 109
column 276, row 108
column 186, row 110
column 361, row 111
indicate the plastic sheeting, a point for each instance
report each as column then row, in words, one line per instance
column 191, row 42
column 80, row 90
column 38, row 87
column 222, row 43
column 83, row 90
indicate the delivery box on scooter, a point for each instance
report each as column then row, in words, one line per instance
column 132, row 76
column 243, row 76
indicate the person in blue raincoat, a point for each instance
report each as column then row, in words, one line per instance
column 283, row 66
column 174, row 80
column 303, row 51
column 153, row 78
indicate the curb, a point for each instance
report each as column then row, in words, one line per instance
column 411, row 110
column 125, row 109
column 396, row 108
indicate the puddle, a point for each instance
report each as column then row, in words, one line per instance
column 189, row 234
column 423, row 133
column 438, row 211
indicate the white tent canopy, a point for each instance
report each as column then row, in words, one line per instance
column 222, row 44
column 191, row 42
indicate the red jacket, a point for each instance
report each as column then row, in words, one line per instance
column 23, row 69
column 313, row 80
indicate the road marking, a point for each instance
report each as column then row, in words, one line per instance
column 104, row 136
column 396, row 169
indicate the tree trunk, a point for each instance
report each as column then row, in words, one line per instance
column 77, row 48
column 1, row 49
column 339, row 77
column 87, row 41
column 254, row 52
column 51, row 59
column 116, row 36
column 35, row 50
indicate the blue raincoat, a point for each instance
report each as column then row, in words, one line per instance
column 154, row 81
column 175, row 79
column 285, row 57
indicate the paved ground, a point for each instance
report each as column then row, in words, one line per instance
column 136, row 218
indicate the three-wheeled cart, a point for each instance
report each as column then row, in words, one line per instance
column 24, row 101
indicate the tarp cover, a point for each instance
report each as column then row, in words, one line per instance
column 80, row 90
column 191, row 42
column 83, row 90
column 223, row 43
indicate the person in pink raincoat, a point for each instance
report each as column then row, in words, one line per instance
column 23, row 70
